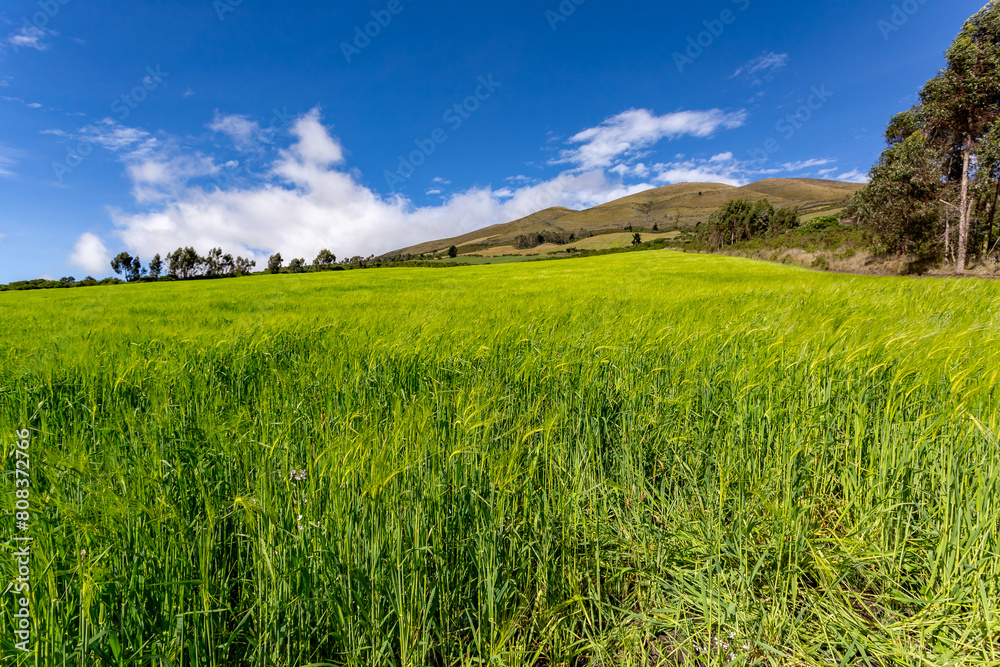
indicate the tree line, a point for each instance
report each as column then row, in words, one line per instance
column 935, row 189
column 744, row 219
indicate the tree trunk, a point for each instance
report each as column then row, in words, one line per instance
column 947, row 234
column 963, row 210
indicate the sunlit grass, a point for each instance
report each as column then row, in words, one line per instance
column 620, row 459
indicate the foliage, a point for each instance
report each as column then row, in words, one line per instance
column 324, row 260
column 511, row 465
column 155, row 267
column 743, row 219
column 940, row 154
column 274, row 263
column 899, row 209
column 453, row 252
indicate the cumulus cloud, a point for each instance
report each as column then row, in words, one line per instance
column 768, row 62
column 311, row 201
column 625, row 135
column 90, row 254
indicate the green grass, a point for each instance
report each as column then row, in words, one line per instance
column 615, row 458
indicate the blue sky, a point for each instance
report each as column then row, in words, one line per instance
column 268, row 127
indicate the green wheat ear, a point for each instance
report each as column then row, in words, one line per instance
column 637, row 459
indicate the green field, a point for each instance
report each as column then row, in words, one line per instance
column 606, row 461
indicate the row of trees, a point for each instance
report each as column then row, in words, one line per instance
column 743, row 219
column 186, row 263
column 325, row 261
column 182, row 264
column 934, row 191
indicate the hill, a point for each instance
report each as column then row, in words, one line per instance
column 670, row 208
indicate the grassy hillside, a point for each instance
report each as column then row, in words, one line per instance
column 639, row 459
column 673, row 207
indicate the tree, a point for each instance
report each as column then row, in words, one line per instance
column 453, row 252
column 899, row 210
column 656, row 227
column 297, row 265
column 783, row 220
column 637, row 239
column 739, row 220
column 68, row 279
column 184, row 263
column 136, row 272
column 324, row 260
column 228, row 265
column 122, row 264
column 155, row 267
column 961, row 105
column 274, row 264
column 242, row 266
column 213, row 263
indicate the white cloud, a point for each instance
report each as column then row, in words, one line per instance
column 30, row 37
column 722, row 168
column 245, row 133
column 311, row 201
column 623, row 136
column 158, row 170
column 8, row 158
column 854, row 176
column 90, row 254
column 807, row 164
column 769, row 61
column 639, row 170
column 46, row 276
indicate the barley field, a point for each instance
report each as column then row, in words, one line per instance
column 641, row 459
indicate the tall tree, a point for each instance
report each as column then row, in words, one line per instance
column 961, row 105
column 274, row 263
column 899, row 210
column 325, row 259
column 122, row 264
column 155, row 267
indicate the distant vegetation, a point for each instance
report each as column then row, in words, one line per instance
column 743, row 219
